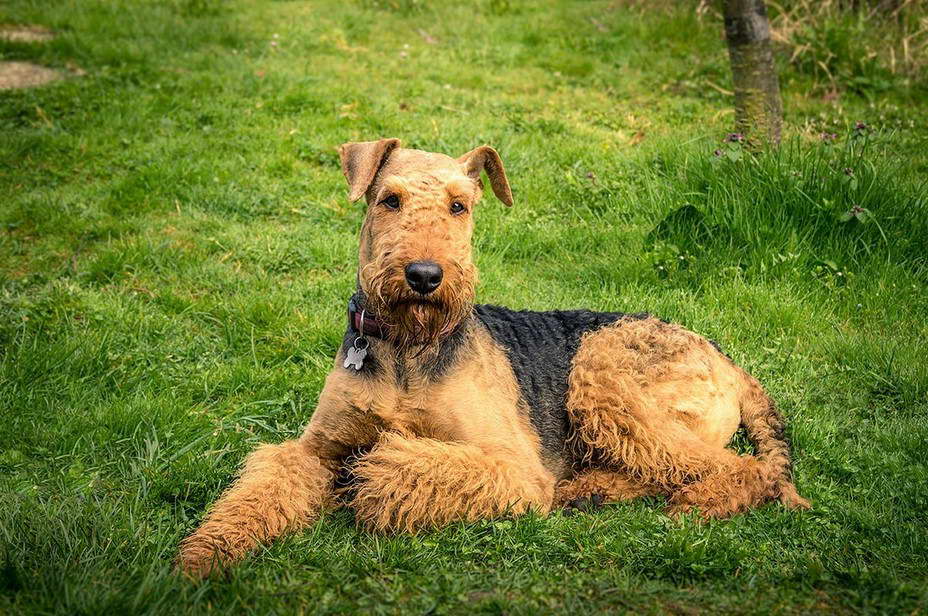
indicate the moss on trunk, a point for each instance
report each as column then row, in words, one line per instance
column 758, row 110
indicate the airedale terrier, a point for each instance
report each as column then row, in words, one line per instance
column 441, row 410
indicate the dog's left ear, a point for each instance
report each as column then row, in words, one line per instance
column 361, row 161
column 487, row 159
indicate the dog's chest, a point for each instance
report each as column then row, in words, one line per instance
column 477, row 401
column 424, row 411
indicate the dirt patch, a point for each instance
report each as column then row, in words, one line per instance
column 26, row 34
column 15, row 75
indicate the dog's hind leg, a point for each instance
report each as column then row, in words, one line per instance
column 752, row 480
column 661, row 403
column 281, row 488
column 410, row 483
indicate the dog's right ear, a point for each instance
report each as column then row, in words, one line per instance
column 361, row 161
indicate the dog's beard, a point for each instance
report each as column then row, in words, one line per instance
column 411, row 319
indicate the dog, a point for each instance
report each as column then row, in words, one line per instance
column 439, row 410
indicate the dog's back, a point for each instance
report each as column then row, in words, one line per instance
column 540, row 347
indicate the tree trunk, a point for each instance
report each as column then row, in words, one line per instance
column 758, row 110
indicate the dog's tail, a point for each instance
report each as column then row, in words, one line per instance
column 765, row 428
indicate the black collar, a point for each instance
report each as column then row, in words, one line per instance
column 364, row 322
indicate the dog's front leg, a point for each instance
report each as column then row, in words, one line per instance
column 281, row 488
column 408, row 483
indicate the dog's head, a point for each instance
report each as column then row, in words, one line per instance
column 416, row 268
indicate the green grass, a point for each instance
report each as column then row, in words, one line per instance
column 176, row 252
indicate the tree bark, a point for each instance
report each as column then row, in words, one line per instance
column 758, row 110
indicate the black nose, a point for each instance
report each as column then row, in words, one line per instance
column 423, row 276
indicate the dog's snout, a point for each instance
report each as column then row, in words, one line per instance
column 423, row 276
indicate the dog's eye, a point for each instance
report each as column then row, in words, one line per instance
column 457, row 207
column 392, row 202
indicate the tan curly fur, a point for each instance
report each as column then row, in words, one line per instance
column 281, row 488
column 651, row 406
column 406, row 484
column 611, row 484
column 660, row 403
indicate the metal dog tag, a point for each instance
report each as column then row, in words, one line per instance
column 356, row 354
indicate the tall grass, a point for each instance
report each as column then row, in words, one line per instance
column 866, row 46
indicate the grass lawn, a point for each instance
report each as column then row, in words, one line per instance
column 177, row 251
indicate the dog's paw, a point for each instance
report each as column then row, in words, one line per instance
column 677, row 511
column 583, row 504
column 692, row 501
column 198, row 559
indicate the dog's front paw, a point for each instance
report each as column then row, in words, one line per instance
column 199, row 557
